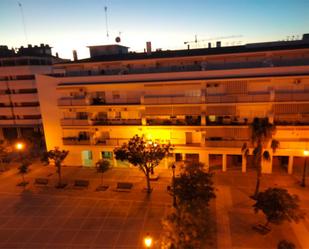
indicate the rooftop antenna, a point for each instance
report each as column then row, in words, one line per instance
column 23, row 20
column 106, row 23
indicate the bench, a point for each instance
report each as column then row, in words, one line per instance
column 81, row 183
column 41, row 181
column 124, row 186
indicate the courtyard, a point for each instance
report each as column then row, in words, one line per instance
column 46, row 217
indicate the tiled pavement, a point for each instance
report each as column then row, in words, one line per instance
column 45, row 217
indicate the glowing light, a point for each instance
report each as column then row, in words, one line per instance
column 19, row 146
column 148, row 241
column 306, row 152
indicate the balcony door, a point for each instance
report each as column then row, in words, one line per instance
column 87, row 158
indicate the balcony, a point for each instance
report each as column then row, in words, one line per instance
column 73, row 122
column 73, row 101
column 291, row 97
column 246, row 98
column 291, row 119
column 161, row 100
column 25, row 97
column 116, row 121
column 27, row 110
column 111, row 141
column 180, row 122
column 75, row 141
column 225, row 143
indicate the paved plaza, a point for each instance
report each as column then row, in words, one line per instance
column 46, row 217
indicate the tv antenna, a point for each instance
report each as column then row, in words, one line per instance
column 106, row 23
column 23, row 21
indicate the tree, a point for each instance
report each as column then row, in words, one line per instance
column 23, row 169
column 58, row 156
column 261, row 137
column 194, row 186
column 5, row 151
column 102, row 166
column 188, row 224
column 145, row 155
column 278, row 206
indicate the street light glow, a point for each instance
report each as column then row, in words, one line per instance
column 306, row 152
column 19, row 146
column 148, row 241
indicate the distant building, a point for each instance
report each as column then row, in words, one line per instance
column 200, row 100
column 20, row 114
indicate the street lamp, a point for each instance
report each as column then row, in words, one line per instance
column 148, row 241
column 19, row 146
column 174, row 196
column 303, row 182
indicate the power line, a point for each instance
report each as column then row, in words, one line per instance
column 23, row 21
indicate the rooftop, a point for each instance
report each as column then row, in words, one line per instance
column 252, row 47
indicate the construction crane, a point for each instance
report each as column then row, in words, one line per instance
column 196, row 41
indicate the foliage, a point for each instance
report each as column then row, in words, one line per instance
column 24, row 168
column 261, row 134
column 58, row 157
column 187, row 226
column 194, row 186
column 278, row 206
column 44, row 157
column 145, row 155
column 185, row 230
column 102, row 166
column 284, row 244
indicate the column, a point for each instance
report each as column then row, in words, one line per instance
column 243, row 164
column 224, row 162
column 204, row 158
column 203, row 118
column 290, row 165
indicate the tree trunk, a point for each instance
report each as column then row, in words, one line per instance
column 23, row 177
column 148, row 181
column 258, row 179
column 59, row 175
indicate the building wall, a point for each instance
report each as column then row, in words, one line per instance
column 205, row 112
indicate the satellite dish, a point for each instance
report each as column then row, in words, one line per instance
column 117, row 39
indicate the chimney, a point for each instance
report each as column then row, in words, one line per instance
column 148, row 47
column 218, row 44
column 209, row 44
column 57, row 55
column 75, row 55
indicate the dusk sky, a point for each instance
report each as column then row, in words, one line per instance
column 75, row 24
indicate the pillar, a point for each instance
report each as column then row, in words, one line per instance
column 183, row 155
column 290, row 165
column 224, row 162
column 267, row 165
column 203, row 118
column 204, row 158
column 243, row 164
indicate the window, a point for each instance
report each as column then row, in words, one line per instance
column 116, row 95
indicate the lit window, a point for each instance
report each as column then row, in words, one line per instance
column 212, row 118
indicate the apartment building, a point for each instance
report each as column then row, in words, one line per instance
column 19, row 104
column 200, row 100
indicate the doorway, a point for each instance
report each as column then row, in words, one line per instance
column 87, row 158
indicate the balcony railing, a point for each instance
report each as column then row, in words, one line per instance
column 172, row 100
column 73, row 101
column 209, row 66
column 116, row 122
column 74, row 122
column 75, row 141
column 225, row 143
column 111, row 141
column 292, row 96
column 238, row 98
column 173, row 122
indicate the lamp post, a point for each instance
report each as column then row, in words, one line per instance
column 148, row 241
column 303, row 182
column 174, row 196
column 19, row 146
